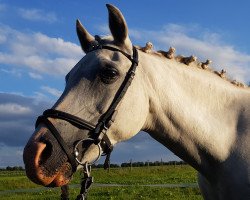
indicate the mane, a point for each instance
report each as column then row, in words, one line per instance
column 191, row 61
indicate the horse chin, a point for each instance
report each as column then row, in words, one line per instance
column 62, row 177
column 56, row 179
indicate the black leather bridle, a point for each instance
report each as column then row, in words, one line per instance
column 98, row 131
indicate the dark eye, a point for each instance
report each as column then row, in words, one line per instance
column 109, row 75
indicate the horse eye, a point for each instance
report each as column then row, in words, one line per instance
column 109, row 75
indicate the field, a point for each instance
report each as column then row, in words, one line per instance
column 119, row 183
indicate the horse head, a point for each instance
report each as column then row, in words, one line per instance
column 96, row 110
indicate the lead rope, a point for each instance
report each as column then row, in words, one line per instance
column 85, row 183
column 65, row 192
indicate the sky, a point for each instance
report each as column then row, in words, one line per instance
column 38, row 46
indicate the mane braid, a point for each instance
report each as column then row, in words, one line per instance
column 191, row 61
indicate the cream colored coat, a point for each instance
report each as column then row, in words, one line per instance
column 202, row 118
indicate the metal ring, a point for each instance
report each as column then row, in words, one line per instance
column 76, row 151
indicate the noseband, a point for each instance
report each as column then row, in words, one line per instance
column 98, row 132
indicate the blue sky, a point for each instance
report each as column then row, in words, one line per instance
column 38, row 46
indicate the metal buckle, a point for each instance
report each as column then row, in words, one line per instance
column 87, row 169
column 94, row 46
column 76, row 152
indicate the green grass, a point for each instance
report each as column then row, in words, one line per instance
column 147, row 175
column 135, row 178
column 118, row 193
column 11, row 180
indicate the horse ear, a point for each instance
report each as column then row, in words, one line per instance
column 84, row 36
column 117, row 24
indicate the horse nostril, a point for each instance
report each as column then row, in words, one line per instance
column 47, row 152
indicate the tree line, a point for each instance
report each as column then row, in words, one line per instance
column 141, row 164
column 15, row 168
column 125, row 164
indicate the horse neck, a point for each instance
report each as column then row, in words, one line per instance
column 192, row 112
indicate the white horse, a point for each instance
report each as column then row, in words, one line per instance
column 199, row 116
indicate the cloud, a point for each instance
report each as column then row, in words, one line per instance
column 37, row 15
column 103, row 28
column 52, row 91
column 37, row 52
column 40, row 53
column 141, row 148
column 35, row 76
column 17, row 118
column 2, row 39
column 13, row 108
column 3, row 36
column 193, row 39
column 13, row 72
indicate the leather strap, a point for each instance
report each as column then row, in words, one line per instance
column 133, row 59
column 74, row 120
column 104, row 121
column 60, row 140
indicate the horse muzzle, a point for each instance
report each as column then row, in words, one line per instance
column 45, row 164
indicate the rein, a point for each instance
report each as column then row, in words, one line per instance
column 98, row 131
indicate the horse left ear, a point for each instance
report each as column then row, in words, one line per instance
column 117, row 24
column 84, row 36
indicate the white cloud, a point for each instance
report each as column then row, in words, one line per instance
column 56, row 46
column 35, row 75
column 193, row 39
column 13, row 108
column 40, row 97
column 17, row 117
column 13, row 72
column 38, row 52
column 103, row 28
column 52, row 91
column 38, row 15
column 2, row 38
column 43, row 54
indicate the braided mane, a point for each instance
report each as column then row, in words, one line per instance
column 191, row 61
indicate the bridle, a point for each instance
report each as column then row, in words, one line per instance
column 98, row 131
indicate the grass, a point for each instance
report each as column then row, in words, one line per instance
column 11, row 180
column 134, row 178
column 147, row 175
column 124, row 193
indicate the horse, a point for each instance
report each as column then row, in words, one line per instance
column 117, row 90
